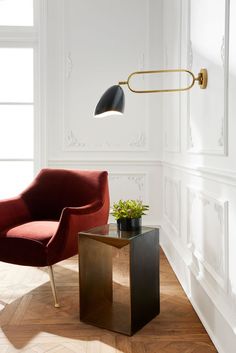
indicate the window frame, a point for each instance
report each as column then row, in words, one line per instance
column 32, row 37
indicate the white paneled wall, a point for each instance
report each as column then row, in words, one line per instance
column 91, row 46
column 199, row 164
column 177, row 152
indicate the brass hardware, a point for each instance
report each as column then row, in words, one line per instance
column 201, row 78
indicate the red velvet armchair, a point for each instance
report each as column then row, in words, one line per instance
column 40, row 226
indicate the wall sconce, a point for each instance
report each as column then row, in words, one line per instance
column 112, row 101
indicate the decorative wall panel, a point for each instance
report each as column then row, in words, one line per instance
column 128, row 186
column 94, row 61
column 208, row 47
column 208, row 233
column 172, row 203
column 204, row 260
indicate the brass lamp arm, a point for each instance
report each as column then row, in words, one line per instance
column 201, row 78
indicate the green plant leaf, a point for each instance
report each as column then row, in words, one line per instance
column 129, row 209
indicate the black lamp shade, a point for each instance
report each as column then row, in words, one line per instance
column 112, row 102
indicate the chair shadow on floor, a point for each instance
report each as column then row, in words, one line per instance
column 30, row 319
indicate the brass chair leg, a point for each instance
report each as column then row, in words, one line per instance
column 51, row 275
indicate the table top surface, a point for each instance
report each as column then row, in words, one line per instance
column 111, row 231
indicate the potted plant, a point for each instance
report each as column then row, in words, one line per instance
column 128, row 214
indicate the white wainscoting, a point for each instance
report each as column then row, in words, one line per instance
column 87, row 52
column 201, row 255
column 128, row 179
column 216, row 319
column 172, row 204
column 192, row 193
column 133, row 184
column 207, row 234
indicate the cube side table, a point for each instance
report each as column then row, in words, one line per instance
column 139, row 302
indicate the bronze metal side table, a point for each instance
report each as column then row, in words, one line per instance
column 119, row 277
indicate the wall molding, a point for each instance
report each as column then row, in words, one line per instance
column 172, row 186
column 138, row 179
column 76, row 139
column 175, row 252
column 73, row 142
column 227, row 177
column 40, row 146
column 215, row 263
column 221, row 142
column 102, row 162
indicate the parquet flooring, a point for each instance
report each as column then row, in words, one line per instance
column 30, row 323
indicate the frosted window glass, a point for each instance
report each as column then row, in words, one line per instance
column 16, row 131
column 16, row 12
column 14, row 178
column 16, row 74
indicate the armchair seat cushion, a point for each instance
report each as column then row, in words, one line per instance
column 25, row 244
column 41, row 231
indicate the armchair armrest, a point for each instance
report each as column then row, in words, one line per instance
column 73, row 220
column 83, row 210
column 13, row 211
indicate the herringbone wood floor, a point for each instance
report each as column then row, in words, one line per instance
column 30, row 323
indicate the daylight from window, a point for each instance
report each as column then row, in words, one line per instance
column 16, row 97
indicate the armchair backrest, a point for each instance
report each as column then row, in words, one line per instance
column 54, row 189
